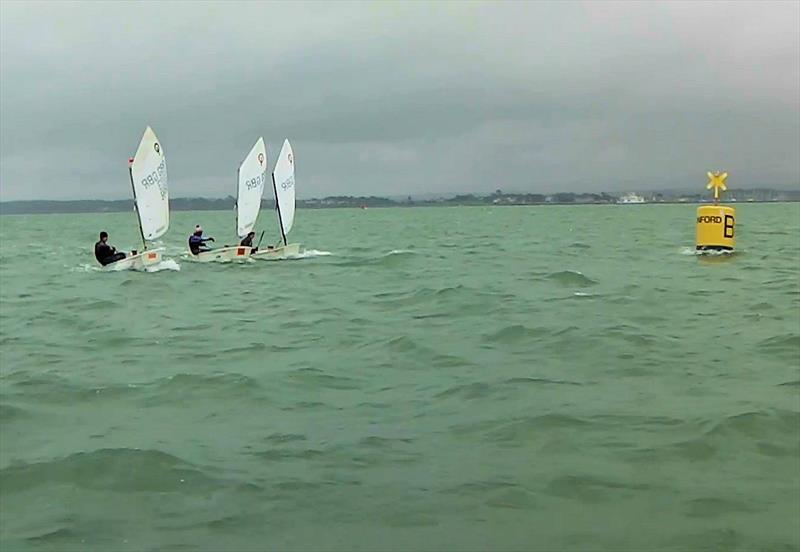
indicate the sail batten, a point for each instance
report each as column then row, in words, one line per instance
column 283, row 179
column 252, row 177
column 150, row 186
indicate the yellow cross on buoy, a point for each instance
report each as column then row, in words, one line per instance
column 717, row 181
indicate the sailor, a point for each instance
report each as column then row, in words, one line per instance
column 197, row 241
column 104, row 253
column 247, row 241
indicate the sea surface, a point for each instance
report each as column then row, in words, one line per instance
column 478, row 378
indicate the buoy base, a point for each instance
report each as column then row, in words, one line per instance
column 713, row 248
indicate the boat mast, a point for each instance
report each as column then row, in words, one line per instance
column 278, row 208
column 236, row 204
column 136, row 204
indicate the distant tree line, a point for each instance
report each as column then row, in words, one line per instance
column 497, row 198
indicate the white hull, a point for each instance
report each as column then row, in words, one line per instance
column 140, row 261
column 278, row 253
column 222, row 255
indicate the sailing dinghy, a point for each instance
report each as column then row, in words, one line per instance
column 251, row 179
column 148, row 173
column 284, row 189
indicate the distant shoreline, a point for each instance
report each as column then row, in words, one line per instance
column 498, row 199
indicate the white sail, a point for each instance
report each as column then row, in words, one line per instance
column 284, row 187
column 149, row 180
column 252, row 178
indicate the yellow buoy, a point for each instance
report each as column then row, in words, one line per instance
column 716, row 224
column 716, row 228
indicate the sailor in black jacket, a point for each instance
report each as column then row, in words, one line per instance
column 104, row 253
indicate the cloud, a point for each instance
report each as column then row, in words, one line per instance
column 392, row 98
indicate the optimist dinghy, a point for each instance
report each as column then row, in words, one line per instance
column 283, row 187
column 251, row 178
column 148, row 173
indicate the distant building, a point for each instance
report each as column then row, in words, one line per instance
column 631, row 198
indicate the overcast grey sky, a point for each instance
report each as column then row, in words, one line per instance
column 400, row 98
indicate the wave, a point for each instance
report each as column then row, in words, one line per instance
column 467, row 391
column 394, row 258
column 697, row 449
column 571, row 278
column 445, row 302
column 770, row 434
column 691, row 251
column 118, row 469
column 378, row 442
column 86, row 267
column 184, row 386
column 100, row 304
column 516, row 333
column 312, row 253
column 538, row 381
column 165, row 264
column 277, row 455
column 479, row 488
column 518, row 432
column 10, row 413
column 589, row 488
column 584, row 294
column 281, row 438
column 52, row 388
column 787, row 346
column 403, row 344
column 711, row 507
column 758, row 424
column 316, row 378
column 422, row 295
column 581, row 296
column 55, row 389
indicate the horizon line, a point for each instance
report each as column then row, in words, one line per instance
column 433, row 195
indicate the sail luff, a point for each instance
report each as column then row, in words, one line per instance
column 278, row 209
column 236, row 207
column 135, row 206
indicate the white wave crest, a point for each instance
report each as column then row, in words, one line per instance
column 706, row 253
column 165, row 264
column 311, row 253
column 86, row 268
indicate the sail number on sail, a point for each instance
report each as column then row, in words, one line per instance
column 288, row 183
column 257, row 181
column 158, row 176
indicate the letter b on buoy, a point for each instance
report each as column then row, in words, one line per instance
column 716, row 228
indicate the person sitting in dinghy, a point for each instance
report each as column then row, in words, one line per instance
column 197, row 243
column 247, row 241
column 104, row 253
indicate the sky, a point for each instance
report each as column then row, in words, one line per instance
column 396, row 99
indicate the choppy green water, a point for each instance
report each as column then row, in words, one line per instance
column 447, row 379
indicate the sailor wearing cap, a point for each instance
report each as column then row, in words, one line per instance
column 197, row 243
